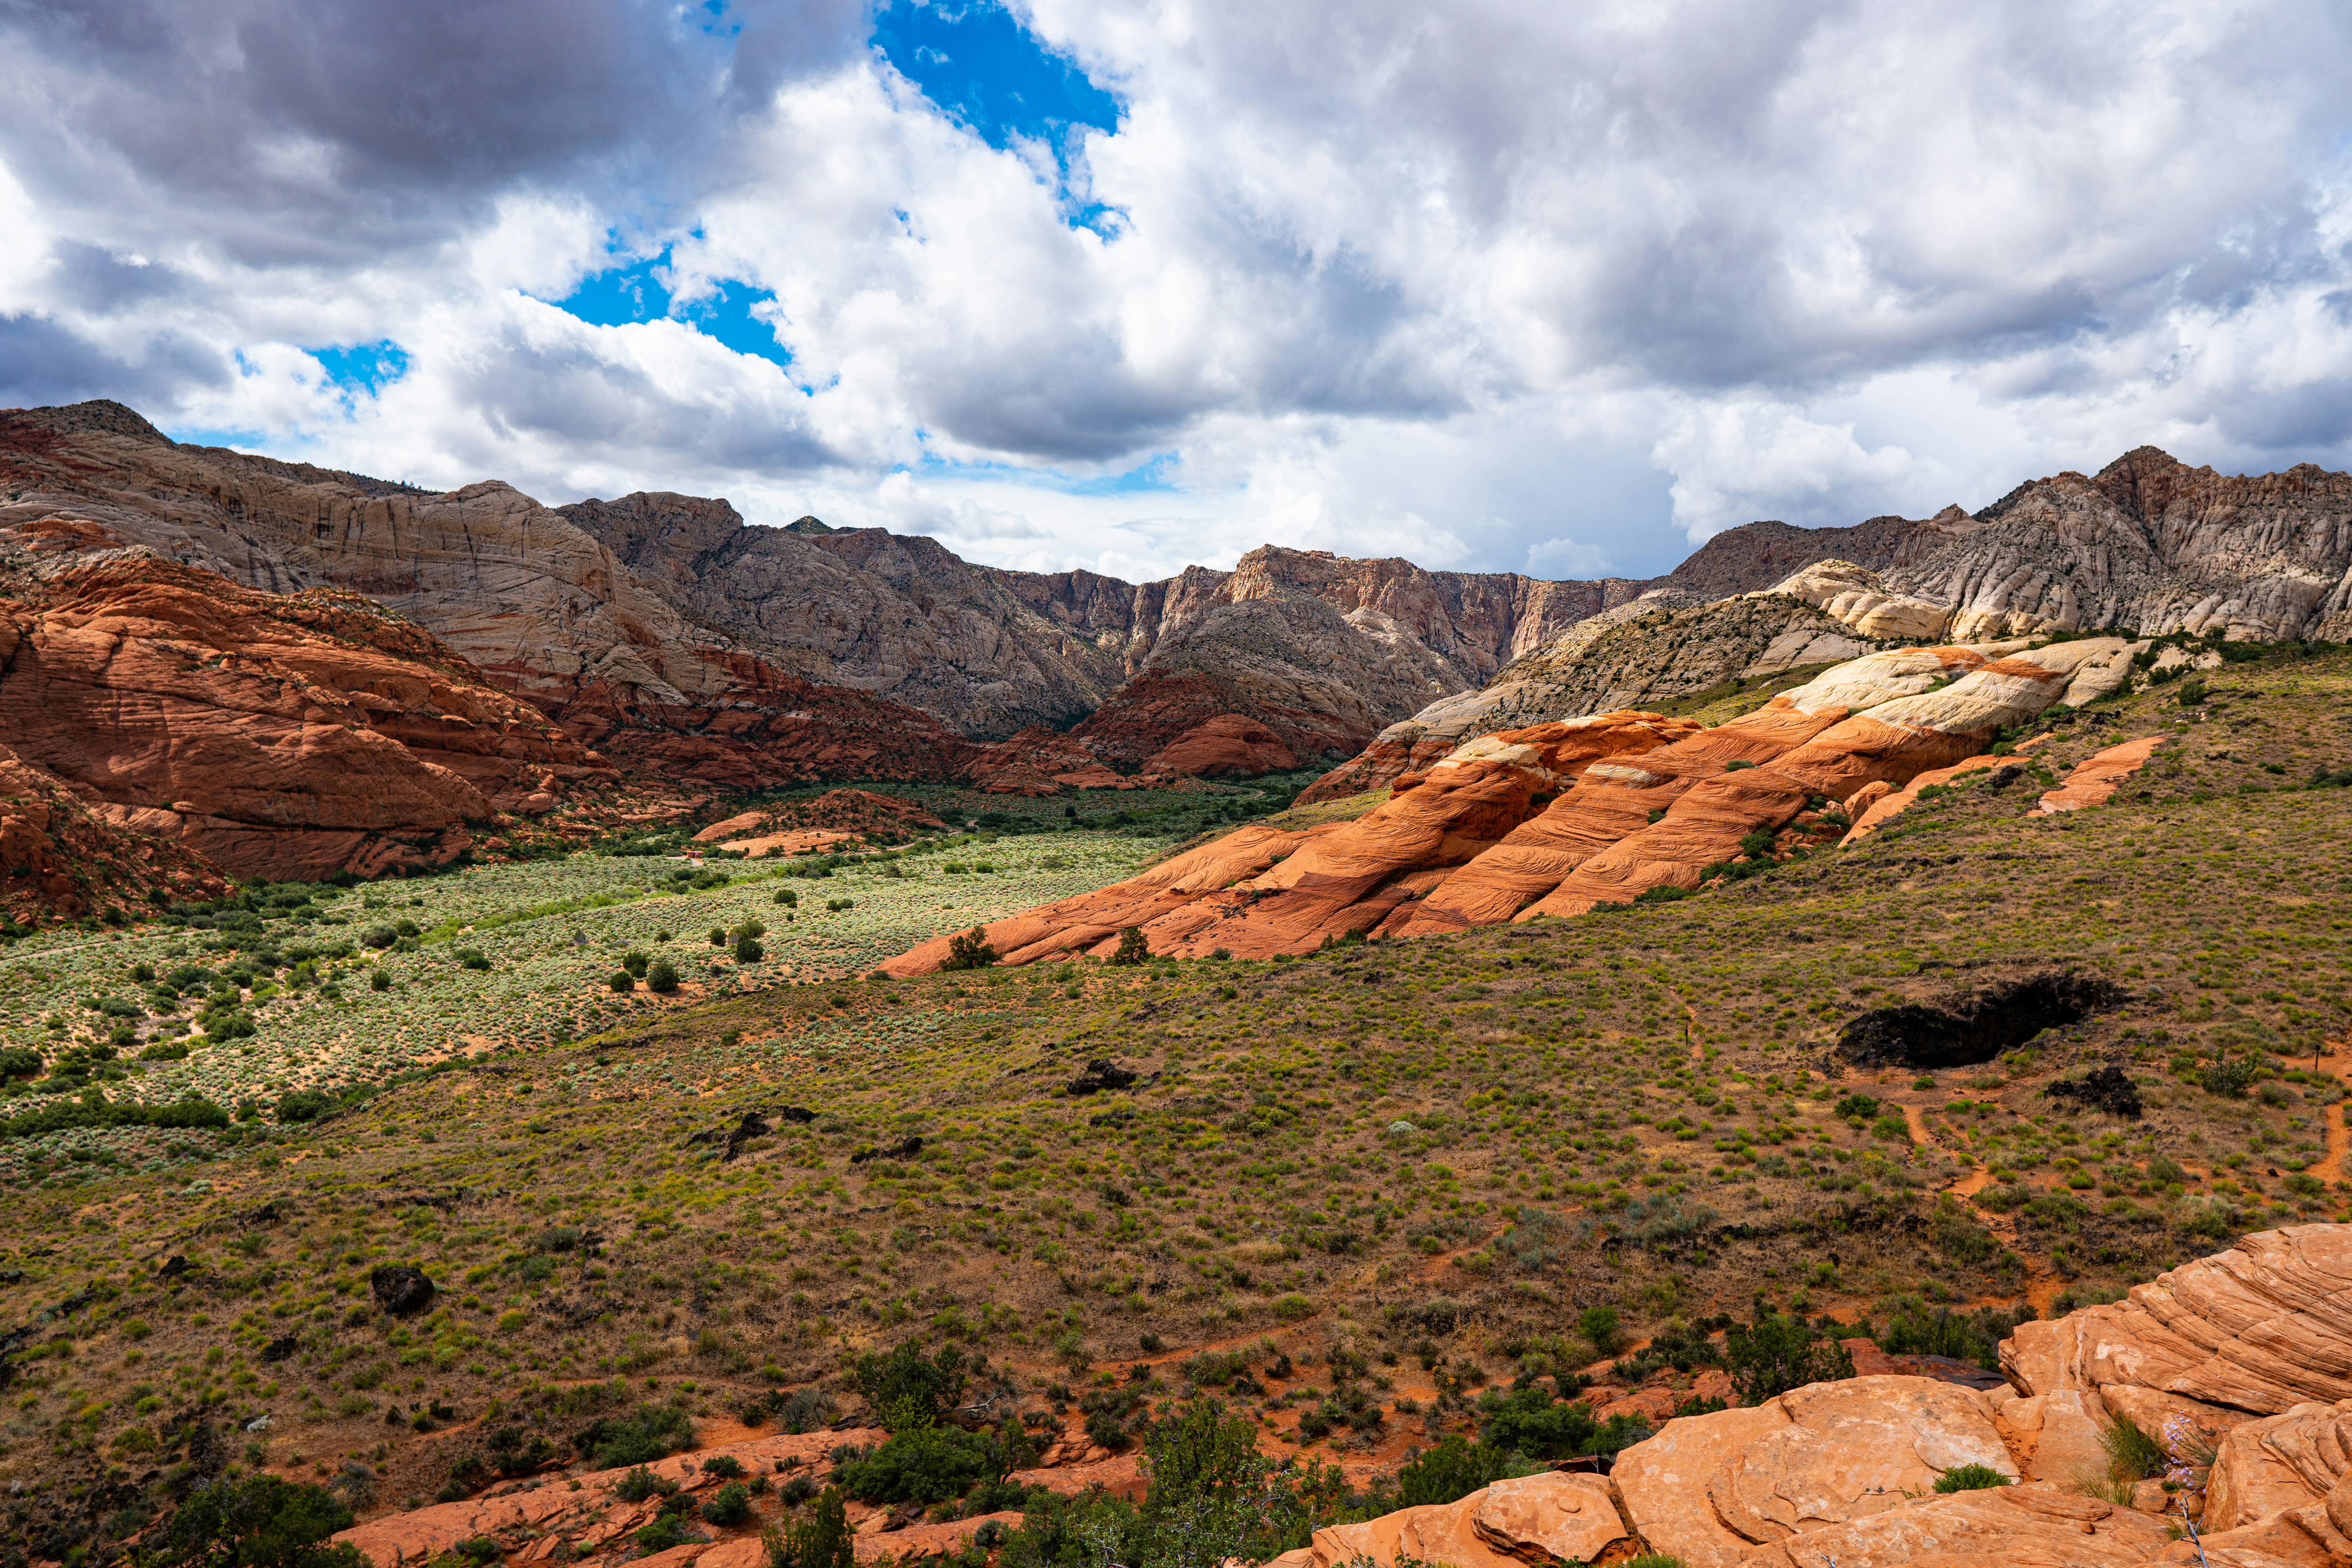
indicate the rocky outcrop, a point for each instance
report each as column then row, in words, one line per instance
column 1856, row 596
column 1709, row 1490
column 283, row 736
column 1531, row 1519
column 61, row 855
column 586, row 1514
column 1843, row 1474
column 2262, row 1327
column 2148, row 545
column 1559, row 819
column 1654, row 650
column 1759, row 554
column 2095, row 780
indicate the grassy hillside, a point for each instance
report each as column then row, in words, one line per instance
column 1381, row 1178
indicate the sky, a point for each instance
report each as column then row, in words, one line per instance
column 1131, row 284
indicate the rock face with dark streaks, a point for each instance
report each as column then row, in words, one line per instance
column 278, row 735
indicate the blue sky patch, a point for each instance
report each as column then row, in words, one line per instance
column 1153, row 474
column 639, row 292
column 989, row 73
column 361, row 369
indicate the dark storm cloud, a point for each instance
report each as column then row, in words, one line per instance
column 45, row 362
column 294, row 131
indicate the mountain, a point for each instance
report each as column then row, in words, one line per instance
column 666, row 633
column 2148, row 545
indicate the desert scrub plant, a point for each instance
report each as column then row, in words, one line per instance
column 730, row 1505
column 2132, row 1453
column 647, row 1434
column 970, row 950
column 1778, row 1352
column 1970, row 1478
column 821, row 1540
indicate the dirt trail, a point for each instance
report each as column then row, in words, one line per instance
column 2337, row 1064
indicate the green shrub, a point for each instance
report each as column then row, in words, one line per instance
column 20, row 1061
column 969, row 951
column 726, row 1466
column 1776, row 1354
column 379, row 979
column 2132, row 1453
column 259, row 1522
column 906, row 1385
column 667, row 1530
column 472, row 958
column 748, row 952
column 1970, row 1478
column 1453, row 1469
column 823, row 1540
column 302, row 1105
column 641, row 1483
column 662, row 977
column 731, row 1504
column 1600, row 1328
column 623, row 981
column 1132, row 947
column 787, row 897
column 650, row 1432
column 922, row 1462
column 636, row 961
column 1529, row 1420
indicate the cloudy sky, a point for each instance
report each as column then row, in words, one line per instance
column 1496, row 284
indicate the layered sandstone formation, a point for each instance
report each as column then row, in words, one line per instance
column 2239, row 1367
column 2148, row 544
column 1557, row 819
column 63, row 855
column 1654, row 650
column 281, row 736
column 1857, row 597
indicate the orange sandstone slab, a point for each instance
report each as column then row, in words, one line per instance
column 2095, row 779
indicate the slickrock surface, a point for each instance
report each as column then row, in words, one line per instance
column 1710, row 1489
column 1532, row 1518
column 283, row 736
column 590, row 1519
column 2030, row 1526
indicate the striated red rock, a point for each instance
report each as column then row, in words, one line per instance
column 276, row 735
column 2030, row 1526
column 1554, row 1517
column 1635, row 803
column 2260, row 1327
column 61, row 854
column 1227, row 744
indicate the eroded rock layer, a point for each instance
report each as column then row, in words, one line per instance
column 1559, row 818
column 276, row 735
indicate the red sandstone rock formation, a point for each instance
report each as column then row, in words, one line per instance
column 276, row 735
column 1561, row 818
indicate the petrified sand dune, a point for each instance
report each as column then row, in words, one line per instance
column 1559, row 818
